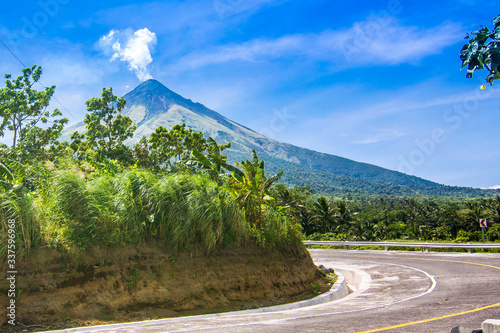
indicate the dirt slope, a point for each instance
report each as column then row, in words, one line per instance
column 104, row 285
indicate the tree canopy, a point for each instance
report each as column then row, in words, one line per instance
column 483, row 51
column 23, row 109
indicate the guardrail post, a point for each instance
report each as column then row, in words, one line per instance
column 387, row 247
column 347, row 247
column 427, row 249
column 471, row 250
column 309, row 246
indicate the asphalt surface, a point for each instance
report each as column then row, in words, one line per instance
column 399, row 292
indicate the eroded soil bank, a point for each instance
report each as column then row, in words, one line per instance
column 106, row 285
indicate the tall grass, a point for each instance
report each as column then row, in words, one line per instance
column 137, row 206
column 193, row 209
column 179, row 210
column 277, row 230
column 21, row 209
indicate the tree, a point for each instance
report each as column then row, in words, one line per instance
column 22, row 108
column 343, row 217
column 483, row 51
column 324, row 212
column 169, row 147
column 106, row 128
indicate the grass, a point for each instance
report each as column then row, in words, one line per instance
column 180, row 211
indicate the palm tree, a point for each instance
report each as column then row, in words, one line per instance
column 476, row 213
column 343, row 217
column 323, row 211
column 496, row 207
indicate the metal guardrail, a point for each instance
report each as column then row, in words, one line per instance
column 388, row 245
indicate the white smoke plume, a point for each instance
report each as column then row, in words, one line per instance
column 133, row 48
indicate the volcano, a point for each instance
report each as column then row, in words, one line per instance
column 151, row 104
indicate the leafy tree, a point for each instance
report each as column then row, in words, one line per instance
column 142, row 154
column 476, row 212
column 22, row 108
column 174, row 146
column 483, row 51
column 107, row 128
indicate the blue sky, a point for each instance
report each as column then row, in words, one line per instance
column 374, row 81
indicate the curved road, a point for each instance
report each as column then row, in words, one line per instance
column 400, row 292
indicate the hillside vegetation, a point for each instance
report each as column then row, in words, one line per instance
column 102, row 231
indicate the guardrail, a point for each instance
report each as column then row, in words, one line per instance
column 427, row 246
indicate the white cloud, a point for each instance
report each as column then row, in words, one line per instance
column 375, row 41
column 382, row 135
column 227, row 8
column 134, row 48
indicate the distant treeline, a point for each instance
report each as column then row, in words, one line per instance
column 391, row 217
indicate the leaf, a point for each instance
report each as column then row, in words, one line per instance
column 239, row 176
column 496, row 21
column 203, row 159
column 260, row 172
column 5, row 173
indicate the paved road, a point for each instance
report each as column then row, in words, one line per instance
column 400, row 292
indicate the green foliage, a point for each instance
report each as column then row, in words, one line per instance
column 171, row 149
column 253, row 188
column 493, row 234
column 23, row 108
column 215, row 161
column 423, row 219
column 193, row 209
column 136, row 206
column 483, row 51
column 106, row 128
column 19, row 208
column 6, row 178
column 324, row 213
column 277, row 230
column 133, row 278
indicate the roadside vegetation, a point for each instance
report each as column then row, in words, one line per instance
column 174, row 188
column 177, row 189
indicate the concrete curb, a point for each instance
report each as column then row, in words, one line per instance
column 339, row 290
column 491, row 326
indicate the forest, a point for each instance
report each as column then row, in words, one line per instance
column 176, row 188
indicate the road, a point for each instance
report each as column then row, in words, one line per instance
column 400, row 292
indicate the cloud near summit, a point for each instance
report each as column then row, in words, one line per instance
column 131, row 47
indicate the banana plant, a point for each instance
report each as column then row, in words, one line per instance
column 215, row 161
column 253, row 188
column 11, row 181
column 6, row 177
